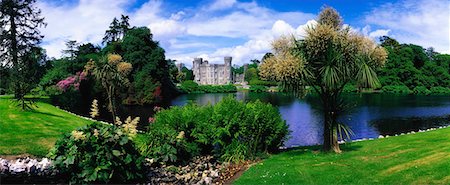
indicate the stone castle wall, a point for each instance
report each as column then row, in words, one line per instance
column 212, row 74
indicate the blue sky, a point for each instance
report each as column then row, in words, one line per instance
column 242, row 29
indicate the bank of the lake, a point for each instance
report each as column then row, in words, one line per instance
column 421, row 158
column 33, row 132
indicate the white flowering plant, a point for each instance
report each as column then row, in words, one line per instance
column 98, row 153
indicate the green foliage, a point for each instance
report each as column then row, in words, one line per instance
column 19, row 38
column 440, row 90
column 258, row 88
column 421, row 90
column 349, row 88
column 178, row 134
column 397, row 89
column 190, row 86
column 255, row 125
column 149, row 65
column 189, row 74
column 97, row 153
column 251, row 73
column 262, row 82
column 409, row 65
column 232, row 130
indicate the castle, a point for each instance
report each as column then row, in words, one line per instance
column 212, row 74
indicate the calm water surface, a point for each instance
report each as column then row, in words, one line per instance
column 370, row 115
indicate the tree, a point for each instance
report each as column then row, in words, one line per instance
column 149, row 65
column 112, row 73
column 19, row 22
column 124, row 25
column 112, row 34
column 117, row 30
column 72, row 49
column 328, row 58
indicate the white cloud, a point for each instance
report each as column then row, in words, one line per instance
column 220, row 5
column 422, row 22
column 184, row 34
column 85, row 22
column 252, row 49
column 166, row 29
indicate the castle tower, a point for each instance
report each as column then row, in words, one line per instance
column 228, row 72
column 196, row 69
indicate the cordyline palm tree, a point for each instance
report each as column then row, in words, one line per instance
column 112, row 74
column 326, row 59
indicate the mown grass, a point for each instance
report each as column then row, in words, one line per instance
column 421, row 158
column 33, row 132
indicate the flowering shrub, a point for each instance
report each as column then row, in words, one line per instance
column 71, row 81
column 98, row 153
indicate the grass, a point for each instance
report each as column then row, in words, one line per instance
column 421, row 158
column 33, row 132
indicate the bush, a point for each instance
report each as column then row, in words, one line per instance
column 255, row 126
column 262, row 82
column 179, row 134
column 421, row 90
column 98, row 153
column 258, row 88
column 192, row 87
column 231, row 130
column 397, row 89
column 189, row 86
column 440, row 90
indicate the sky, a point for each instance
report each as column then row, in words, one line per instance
column 243, row 29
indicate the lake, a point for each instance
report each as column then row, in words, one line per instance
column 370, row 115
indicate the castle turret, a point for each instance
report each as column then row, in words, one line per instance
column 228, row 74
column 196, row 68
column 228, row 60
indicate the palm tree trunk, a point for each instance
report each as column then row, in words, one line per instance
column 111, row 104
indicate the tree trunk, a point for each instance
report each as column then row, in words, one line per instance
column 326, row 135
column 111, row 104
column 330, row 139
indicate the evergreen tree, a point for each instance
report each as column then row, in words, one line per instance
column 19, row 22
column 112, row 34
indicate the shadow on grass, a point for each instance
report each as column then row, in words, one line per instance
column 347, row 147
column 45, row 113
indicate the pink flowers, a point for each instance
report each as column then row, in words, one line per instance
column 71, row 81
column 151, row 120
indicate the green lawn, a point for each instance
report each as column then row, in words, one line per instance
column 422, row 158
column 33, row 132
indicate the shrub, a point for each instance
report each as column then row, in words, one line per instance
column 440, row 90
column 189, row 86
column 192, row 87
column 231, row 130
column 258, row 88
column 397, row 89
column 255, row 126
column 98, row 153
column 421, row 90
column 262, row 82
column 178, row 134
